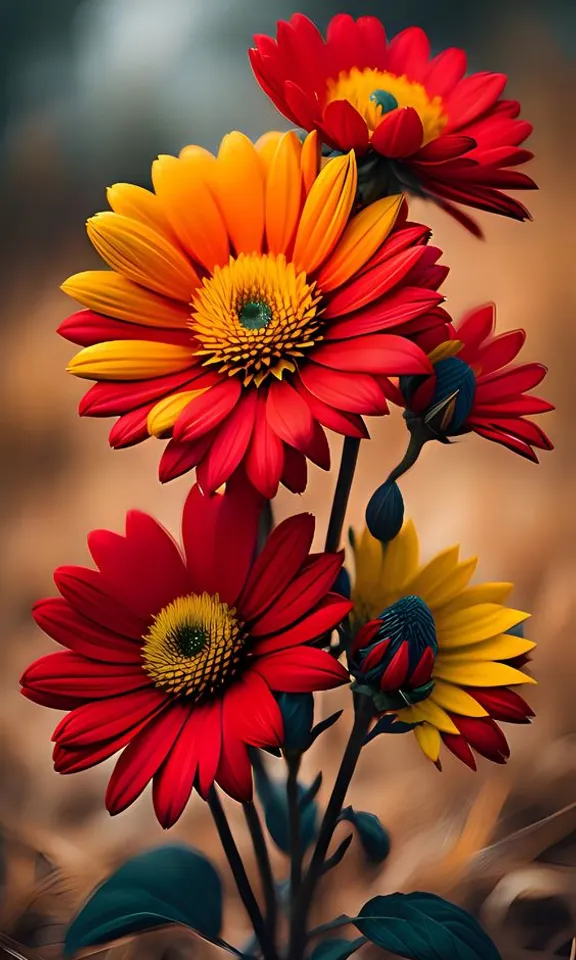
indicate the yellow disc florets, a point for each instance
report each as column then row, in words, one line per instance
column 374, row 92
column 255, row 317
column 194, row 646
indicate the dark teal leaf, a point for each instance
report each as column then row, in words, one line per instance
column 274, row 800
column 374, row 838
column 338, row 855
column 324, row 725
column 422, row 926
column 336, row 949
column 297, row 711
column 172, row 884
column 310, row 792
column 389, row 723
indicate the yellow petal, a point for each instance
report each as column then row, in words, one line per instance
column 456, row 700
column 502, row 647
column 475, row 623
column 240, row 192
column 480, row 593
column 139, row 204
column 450, row 348
column 452, row 585
column 142, row 255
column 325, row 213
column 363, row 236
column 163, row 416
column 433, row 573
column 113, row 295
column 310, row 160
column 429, row 740
column 283, row 193
column 184, row 189
column 266, row 145
column 480, row 674
column 431, row 713
column 130, row 360
column 400, row 559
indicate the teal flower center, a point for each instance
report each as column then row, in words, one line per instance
column 384, row 99
column 189, row 639
column 255, row 315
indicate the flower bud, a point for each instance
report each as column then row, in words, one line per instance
column 443, row 403
column 385, row 512
column 392, row 657
column 297, row 711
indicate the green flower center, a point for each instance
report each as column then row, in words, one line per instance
column 255, row 315
column 188, row 639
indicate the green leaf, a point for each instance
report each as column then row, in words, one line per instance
column 274, row 800
column 422, row 926
column 337, row 949
column 171, row 884
column 374, row 838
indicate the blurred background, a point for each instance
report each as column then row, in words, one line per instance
column 90, row 92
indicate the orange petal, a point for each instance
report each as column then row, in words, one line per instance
column 265, row 147
column 139, row 204
column 310, row 160
column 326, row 212
column 184, row 190
column 283, row 193
column 142, row 255
column 240, row 191
column 130, row 360
column 363, row 236
column 193, row 150
column 113, row 295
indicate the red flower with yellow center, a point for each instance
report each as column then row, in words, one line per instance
column 247, row 309
column 437, row 133
column 175, row 656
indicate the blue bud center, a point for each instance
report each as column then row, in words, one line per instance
column 255, row 315
column 384, row 99
column 409, row 620
column 455, row 386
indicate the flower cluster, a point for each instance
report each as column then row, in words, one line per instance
column 254, row 300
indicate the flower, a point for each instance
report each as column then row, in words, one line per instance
column 477, row 387
column 174, row 656
column 439, row 653
column 418, row 122
column 246, row 311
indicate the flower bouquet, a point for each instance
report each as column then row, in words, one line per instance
column 256, row 299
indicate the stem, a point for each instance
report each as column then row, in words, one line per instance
column 240, row 875
column 342, row 492
column 348, row 765
column 415, row 444
column 294, row 820
column 264, row 866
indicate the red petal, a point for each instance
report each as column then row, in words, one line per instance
column 394, row 312
column 408, row 54
column 358, row 394
column 144, row 570
column 302, row 670
column 87, row 591
column 317, row 450
column 302, row 594
column 445, row 148
column 265, row 458
column 459, row 748
column 399, row 134
column 343, row 42
column 344, row 127
column 485, row 736
column 70, row 674
column 108, row 719
column 229, row 444
column 472, row 97
column 234, row 772
column 423, row 670
column 501, row 351
column 378, row 353
column 516, row 427
column 375, row 655
column 474, row 328
column 348, row 424
column 54, row 701
column 131, row 428
column 252, row 712
column 86, row 328
column 507, row 440
column 373, row 284
column 328, row 615
column 109, row 399
column 365, row 635
column 143, row 756
column 300, row 105
column 518, row 406
column 208, row 410
column 219, row 535
column 444, row 72
column 284, row 553
column 179, row 458
column 295, row 473
column 372, row 42
column 397, row 670
column 289, row 415
column 510, row 381
column 502, row 704
column 68, row 627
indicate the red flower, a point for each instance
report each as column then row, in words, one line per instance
column 476, row 386
column 442, row 134
column 248, row 309
column 174, row 656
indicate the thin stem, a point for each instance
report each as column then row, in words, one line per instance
column 413, row 450
column 240, row 875
column 341, row 784
column 264, row 866
column 294, row 821
column 342, row 492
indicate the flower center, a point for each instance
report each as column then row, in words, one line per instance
column 194, row 646
column 256, row 317
column 374, row 93
column 410, row 620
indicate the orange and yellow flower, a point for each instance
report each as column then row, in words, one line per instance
column 249, row 307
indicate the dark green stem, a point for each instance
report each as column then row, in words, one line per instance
column 342, row 492
column 240, row 876
column 362, row 716
column 295, row 830
column 415, row 444
column 264, row 866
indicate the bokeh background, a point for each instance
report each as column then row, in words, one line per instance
column 90, row 92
